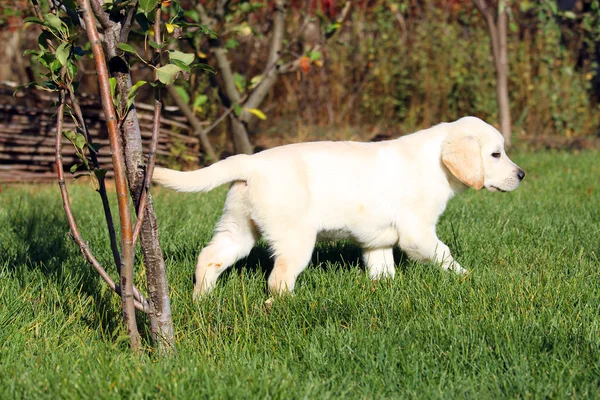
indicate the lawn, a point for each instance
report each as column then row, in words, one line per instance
column 525, row 323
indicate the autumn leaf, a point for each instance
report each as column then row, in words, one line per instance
column 305, row 64
column 257, row 112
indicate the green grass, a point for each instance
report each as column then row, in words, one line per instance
column 524, row 324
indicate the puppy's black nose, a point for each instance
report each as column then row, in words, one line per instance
column 521, row 174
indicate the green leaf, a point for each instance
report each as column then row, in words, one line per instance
column 126, row 48
column 70, row 4
column 192, row 14
column 182, row 93
column 74, row 168
column 32, row 52
column 133, row 92
column 94, row 182
column 204, row 67
column 331, row 28
column 95, row 147
column 72, row 68
column 43, row 40
column 49, row 85
column 53, row 22
column 314, row 55
column 255, row 81
column 34, row 20
column 186, row 58
column 142, row 21
column 70, row 135
column 182, row 65
column 100, row 173
column 201, row 100
column 155, row 45
column 55, row 66
column 168, row 73
column 256, row 112
column 203, row 28
column 231, row 44
column 62, row 53
column 79, row 141
column 148, row 5
column 113, row 85
column 237, row 109
column 240, row 82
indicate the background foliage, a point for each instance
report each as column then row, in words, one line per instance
column 395, row 66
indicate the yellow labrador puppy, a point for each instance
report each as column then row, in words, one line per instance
column 376, row 194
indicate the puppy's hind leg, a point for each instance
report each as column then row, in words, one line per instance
column 235, row 236
column 292, row 255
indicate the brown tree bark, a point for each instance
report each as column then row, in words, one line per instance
column 127, row 250
column 158, row 291
column 496, row 20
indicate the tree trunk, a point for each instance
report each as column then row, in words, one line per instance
column 502, row 79
column 497, row 23
column 158, row 291
column 241, row 143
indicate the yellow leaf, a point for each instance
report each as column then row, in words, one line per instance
column 170, row 28
column 246, row 30
column 257, row 112
column 95, row 183
column 318, row 63
column 201, row 54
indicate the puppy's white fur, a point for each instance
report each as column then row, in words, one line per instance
column 376, row 194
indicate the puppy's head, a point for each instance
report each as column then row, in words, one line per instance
column 474, row 153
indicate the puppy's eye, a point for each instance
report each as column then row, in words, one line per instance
column 496, row 154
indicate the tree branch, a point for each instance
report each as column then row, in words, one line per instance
column 127, row 257
column 87, row 253
column 271, row 71
column 222, row 62
column 193, row 120
column 103, row 17
column 488, row 15
column 102, row 187
column 158, row 103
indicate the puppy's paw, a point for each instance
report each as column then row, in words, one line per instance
column 459, row 270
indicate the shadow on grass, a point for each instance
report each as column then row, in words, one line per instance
column 326, row 256
column 35, row 242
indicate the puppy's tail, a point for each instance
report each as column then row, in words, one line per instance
column 236, row 168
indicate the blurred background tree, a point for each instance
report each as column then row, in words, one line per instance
column 377, row 69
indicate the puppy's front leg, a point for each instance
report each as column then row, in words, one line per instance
column 428, row 248
column 380, row 262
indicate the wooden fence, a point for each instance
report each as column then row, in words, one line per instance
column 28, row 131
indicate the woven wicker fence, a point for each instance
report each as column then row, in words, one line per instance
column 28, row 131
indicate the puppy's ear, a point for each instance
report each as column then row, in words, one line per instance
column 461, row 154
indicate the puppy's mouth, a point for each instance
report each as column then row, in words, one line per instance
column 493, row 188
